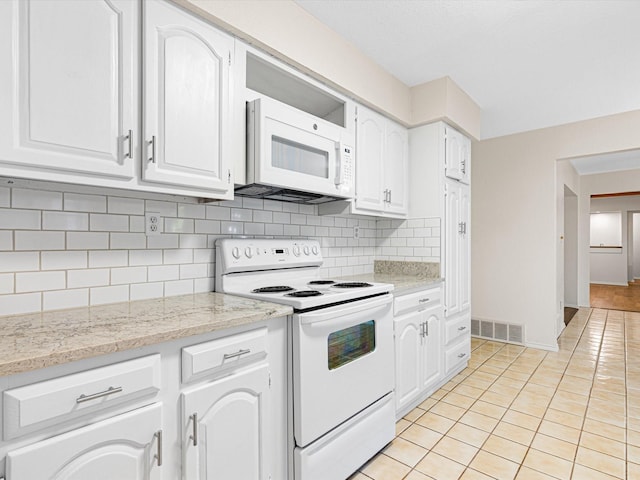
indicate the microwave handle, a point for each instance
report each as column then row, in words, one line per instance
column 339, row 168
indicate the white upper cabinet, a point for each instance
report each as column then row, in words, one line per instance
column 186, row 108
column 457, row 155
column 69, row 83
column 382, row 159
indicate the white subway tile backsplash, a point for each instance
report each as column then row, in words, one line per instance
column 6, row 283
column 165, row 209
column 189, row 210
column 124, row 275
column 96, row 250
column 164, row 272
column 85, row 203
column 65, row 260
column 20, row 303
column 126, row 206
column 5, row 197
column 11, row 219
column 193, row 241
column 108, row 223
column 36, row 240
column 178, row 287
column 65, row 299
column 108, row 258
column 102, row 295
column 142, row 291
column 19, row 261
column 166, row 240
column 40, row 281
column 87, row 240
column 145, row 257
column 65, row 221
column 36, row 199
column 87, row 278
column 127, row 241
column 6, row 240
column 178, row 225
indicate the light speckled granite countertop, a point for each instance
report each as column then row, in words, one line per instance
column 402, row 283
column 34, row 341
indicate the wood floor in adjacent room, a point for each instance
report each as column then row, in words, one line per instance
column 616, row 297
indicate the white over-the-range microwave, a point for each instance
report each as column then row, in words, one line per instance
column 296, row 157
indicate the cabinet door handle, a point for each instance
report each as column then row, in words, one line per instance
column 227, row 356
column 460, row 329
column 389, row 196
column 194, row 435
column 85, row 398
column 158, row 455
column 462, row 355
column 129, row 139
column 464, row 167
column 423, row 300
column 426, row 329
column 152, row 143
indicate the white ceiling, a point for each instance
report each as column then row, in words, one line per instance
column 608, row 162
column 528, row 64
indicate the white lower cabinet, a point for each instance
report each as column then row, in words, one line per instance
column 128, row 446
column 225, row 427
column 418, row 343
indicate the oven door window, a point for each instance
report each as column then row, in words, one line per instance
column 351, row 343
column 299, row 158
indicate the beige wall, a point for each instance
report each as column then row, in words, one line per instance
column 287, row 31
column 514, row 218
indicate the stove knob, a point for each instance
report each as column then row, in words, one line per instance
column 235, row 252
column 248, row 252
column 296, row 250
column 306, row 249
column 315, row 250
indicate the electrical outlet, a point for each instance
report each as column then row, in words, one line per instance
column 152, row 223
column 356, row 232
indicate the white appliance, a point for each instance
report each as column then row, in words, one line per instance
column 340, row 352
column 296, row 157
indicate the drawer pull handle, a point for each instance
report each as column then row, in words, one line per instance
column 462, row 328
column 194, row 435
column 158, row 455
column 423, row 300
column 85, row 398
column 227, row 356
column 462, row 355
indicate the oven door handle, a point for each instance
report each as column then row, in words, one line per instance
column 347, row 309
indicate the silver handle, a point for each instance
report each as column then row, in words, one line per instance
column 461, row 328
column 423, row 300
column 465, row 228
column 462, row 355
column 194, row 435
column 426, row 329
column 129, row 139
column 227, row 356
column 158, row 455
column 461, row 228
column 389, row 196
column 85, row 398
column 386, row 193
column 152, row 143
column 464, row 166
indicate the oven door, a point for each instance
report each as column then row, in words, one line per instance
column 292, row 149
column 342, row 363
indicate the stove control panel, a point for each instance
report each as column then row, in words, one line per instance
column 249, row 254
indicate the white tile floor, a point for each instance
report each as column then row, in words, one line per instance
column 521, row 413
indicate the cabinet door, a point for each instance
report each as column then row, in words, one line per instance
column 396, row 168
column 408, row 343
column 370, row 160
column 456, row 154
column 123, row 447
column 431, row 360
column 187, row 98
column 464, row 250
column 453, row 229
column 225, row 428
column 68, row 85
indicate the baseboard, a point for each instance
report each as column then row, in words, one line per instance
column 542, row 346
column 613, row 284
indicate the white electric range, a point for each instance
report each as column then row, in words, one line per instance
column 340, row 351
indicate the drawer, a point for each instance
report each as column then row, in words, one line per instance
column 456, row 329
column 457, row 354
column 413, row 301
column 40, row 405
column 223, row 354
